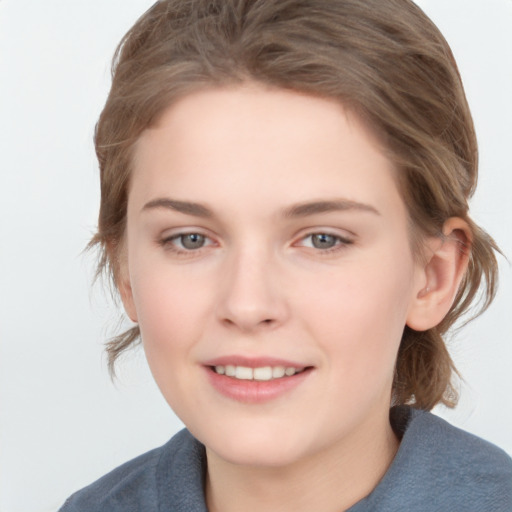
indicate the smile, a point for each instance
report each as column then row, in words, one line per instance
column 255, row 380
column 261, row 373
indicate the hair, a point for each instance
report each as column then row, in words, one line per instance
column 383, row 58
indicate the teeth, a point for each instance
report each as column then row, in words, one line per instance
column 262, row 373
column 243, row 373
column 278, row 372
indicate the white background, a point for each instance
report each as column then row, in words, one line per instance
column 62, row 422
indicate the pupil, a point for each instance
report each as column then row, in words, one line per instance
column 323, row 241
column 192, row 241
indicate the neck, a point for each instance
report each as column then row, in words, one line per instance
column 328, row 481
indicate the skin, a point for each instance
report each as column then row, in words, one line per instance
column 260, row 287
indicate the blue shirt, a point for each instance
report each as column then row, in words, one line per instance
column 438, row 468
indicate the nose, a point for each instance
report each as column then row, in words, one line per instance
column 252, row 297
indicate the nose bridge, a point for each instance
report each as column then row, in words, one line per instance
column 251, row 296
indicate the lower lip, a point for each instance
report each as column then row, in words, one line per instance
column 255, row 391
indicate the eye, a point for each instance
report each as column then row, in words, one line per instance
column 324, row 241
column 191, row 241
column 186, row 242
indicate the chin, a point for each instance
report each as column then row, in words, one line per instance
column 258, row 456
column 263, row 448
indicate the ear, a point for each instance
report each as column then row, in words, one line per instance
column 122, row 279
column 440, row 275
column 125, row 290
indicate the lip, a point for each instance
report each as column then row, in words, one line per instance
column 254, row 391
column 253, row 362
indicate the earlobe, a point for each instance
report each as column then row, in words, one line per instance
column 441, row 275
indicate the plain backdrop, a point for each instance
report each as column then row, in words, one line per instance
column 62, row 422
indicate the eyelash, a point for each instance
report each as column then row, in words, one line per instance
column 169, row 243
column 341, row 242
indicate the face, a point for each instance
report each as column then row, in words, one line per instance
column 268, row 264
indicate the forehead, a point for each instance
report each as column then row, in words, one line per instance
column 218, row 144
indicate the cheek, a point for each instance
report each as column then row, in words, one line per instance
column 169, row 314
column 359, row 315
column 169, row 308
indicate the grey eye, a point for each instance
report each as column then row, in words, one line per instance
column 192, row 241
column 323, row 241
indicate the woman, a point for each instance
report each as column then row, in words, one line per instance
column 284, row 213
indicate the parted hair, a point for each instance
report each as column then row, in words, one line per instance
column 384, row 59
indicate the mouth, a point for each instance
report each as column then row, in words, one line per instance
column 254, row 381
column 262, row 373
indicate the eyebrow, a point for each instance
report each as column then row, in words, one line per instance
column 299, row 210
column 316, row 207
column 186, row 207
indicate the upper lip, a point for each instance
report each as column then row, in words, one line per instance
column 253, row 362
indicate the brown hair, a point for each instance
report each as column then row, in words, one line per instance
column 383, row 58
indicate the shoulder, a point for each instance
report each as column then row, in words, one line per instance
column 440, row 467
column 446, row 446
column 171, row 473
